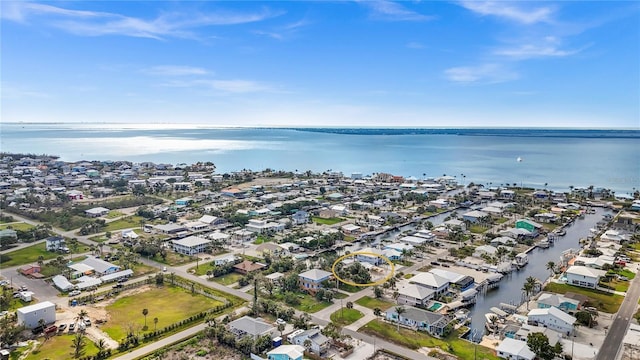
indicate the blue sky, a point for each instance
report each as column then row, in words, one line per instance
column 343, row 63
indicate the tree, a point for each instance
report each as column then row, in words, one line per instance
column 539, row 344
column 551, row 266
column 377, row 312
column 102, row 346
column 155, row 323
column 78, row 344
column 145, row 312
column 377, row 291
column 281, row 328
column 399, row 310
column 349, row 305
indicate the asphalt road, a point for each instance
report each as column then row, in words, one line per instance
column 618, row 328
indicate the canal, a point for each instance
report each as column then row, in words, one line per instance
column 510, row 289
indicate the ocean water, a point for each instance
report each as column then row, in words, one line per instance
column 558, row 158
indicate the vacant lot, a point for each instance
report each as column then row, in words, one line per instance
column 414, row 339
column 330, row 221
column 17, row 226
column 169, row 304
column 26, row 255
column 124, row 223
column 373, row 303
column 174, row 259
column 603, row 301
column 346, row 316
column 60, row 347
column 227, row 279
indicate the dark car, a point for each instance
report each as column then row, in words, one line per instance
column 62, row 327
column 37, row 329
column 72, row 327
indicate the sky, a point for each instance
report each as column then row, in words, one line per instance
column 322, row 63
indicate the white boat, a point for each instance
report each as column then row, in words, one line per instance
column 521, row 260
column 544, row 243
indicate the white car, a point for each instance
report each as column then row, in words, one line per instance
column 281, row 322
column 74, row 293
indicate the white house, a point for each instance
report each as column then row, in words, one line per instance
column 286, row 352
column 552, row 318
column 190, row 245
column 319, row 342
column 584, row 276
column 97, row 212
column 30, row 316
column 431, row 281
column 513, row 349
column 55, row 243
column 414, row 295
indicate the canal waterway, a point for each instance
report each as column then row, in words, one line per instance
column 510, row 289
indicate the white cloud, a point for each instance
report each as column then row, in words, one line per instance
column 235, row 86
column 175, row 70
column 392, row 11
column 485, row 73
column 507, row 10
column 93, row 23
column 17, row 92
column 548, row 47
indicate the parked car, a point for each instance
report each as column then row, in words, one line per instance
column 281, row 322
column 23, row 288
column 51, row 329
column 74, row 293
column 87, row 322
column 62, row 327
column 72, row 327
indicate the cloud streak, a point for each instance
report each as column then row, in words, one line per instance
column 232, row 86
column 489, row 73
column 507, row 10
column 95, row 23
column 392, row 11
column 175, row 70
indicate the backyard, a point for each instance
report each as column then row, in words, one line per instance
column 346, row 316
column 603, row 301
column 169, row 304
column 60, row 347
column 373, row 303
column 414, row 339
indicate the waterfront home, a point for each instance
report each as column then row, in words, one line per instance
column 526, row 329
column 96, row 212
column 599, row 262
column 552, row 318
column 513, row 349
column 614, row 236
column 419, row 319
column 584, row 276
column 377, row 260
column 399, row 247
column 521, row 259
column 517, row 233
column 273, row 249
column 547, row 217
column 168, row 229
column 414, row 295
column 319, row 343
column 486, row 250
column 191, row 245
column 248, row 326
column 455, row 224
column 459, row 281
column 350, row 229
column 529, row 225
column 286, row 352
column 502, row 241
column 247, row 266
column 438, row 284
column 547, row 300
column 474, row 216
column 416, row 240
column 311, row 280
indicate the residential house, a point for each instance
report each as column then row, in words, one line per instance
column 169, row 229
column 62, row 283
column 30, row 269
column 584, row 276
column 513, row 349
column 211, row 220
column 99, row 266
column 531, row 226
column 414, row 295
column 552, row 318
column 458, row 281
column 300, row 217
column 455, row 224
column 55, row 243
column 248, row 326
column 224, row 259
column 547, row 300
column 196, row 226
column 311, row 280
column 262, row 226
column 474, row 216
column 97, row 212
column 247, row 266
column 286, row 352
column 438, row 284
column 419, row 319
column 486, row 250
column 319, row 343
column 366, row 255
column 191, row 245
column 350, row 229
column 273, row 249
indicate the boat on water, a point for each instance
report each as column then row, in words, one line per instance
column 521, row 260
column 544, row 244
column 561, row 232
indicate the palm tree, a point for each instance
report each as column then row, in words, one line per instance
column 551, row 266
column 399, row 310
column 101, row 345
column 494, row 323
column 81, row 315
column 145, row 312
column 527, row 288
column 78, row 345
column 155, row 323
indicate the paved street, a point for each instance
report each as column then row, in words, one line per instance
column 617, row 330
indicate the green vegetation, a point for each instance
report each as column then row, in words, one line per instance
column 228, row 279
column 60, row 347
column 140, row 269
column 403, row 262
column 26, row 255
column 124, row 223
column 98, row 238
column 161, row 303
column 262, row 239
column 415, row 339
column 502, row 220
column 603, row 301
column 624, row 272
column 17, row 226
column 329, row 221
column 174, row 259
column 373, row 303
column 346, row 316
column 307, row 303
column 114, row 214
column 478, row 229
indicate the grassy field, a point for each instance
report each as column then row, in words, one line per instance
column 603, row 301
column 549, row 226
column 142, row 269
column 60, row 347
column 373, row 303
column 307, row 304
column 414, row 339
column 174, row 259
column 114, row 214
column 617, row 285
column 124, row 223
column 502, row 220
column 477, row 229
column 346, row 316
column 27, row 255
column 17, row 226
column 98, row 238
column 227, row 279
column 626, row 273
column 330, row 221
column 262, row 239
column 161, row 303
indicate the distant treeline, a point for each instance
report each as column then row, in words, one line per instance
column 18, row 156
column 521, row 132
